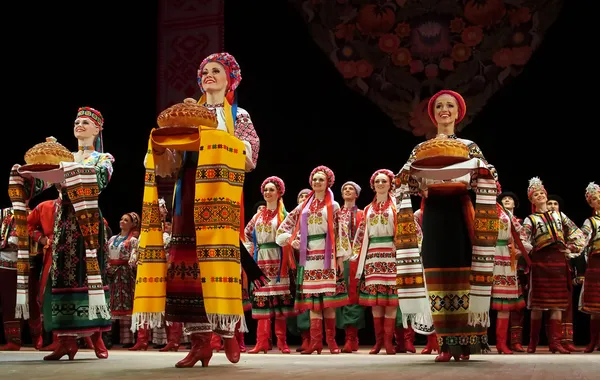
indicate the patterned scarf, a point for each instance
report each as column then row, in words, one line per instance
column 217, row 217
column 410, row 279
column 82, row 190
column 19, row 199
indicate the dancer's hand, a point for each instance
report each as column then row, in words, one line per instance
column 340, row 264
column 296, row 244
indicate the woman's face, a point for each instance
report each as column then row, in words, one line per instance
column 85, row 128
column 214, row 77
column 125, row 224
column 319, row 181
column 595, row 202
column 445, row 109
column 270, row 193
column 382, row 184
column 539, row 197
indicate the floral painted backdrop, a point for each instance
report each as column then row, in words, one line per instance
column 400, row 52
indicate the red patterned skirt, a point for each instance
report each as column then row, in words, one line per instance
column 549, row 280
column 590, row 294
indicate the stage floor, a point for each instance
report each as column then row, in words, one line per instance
column 122, row 364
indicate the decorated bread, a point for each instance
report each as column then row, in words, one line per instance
column 48, row 153
column 187, row 115
column 440, row 151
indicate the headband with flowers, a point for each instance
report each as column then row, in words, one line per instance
column 591, row 190
column 234, row 73
column 328, row 173
column 278, row 182
column 535, row 184
column 386, row 172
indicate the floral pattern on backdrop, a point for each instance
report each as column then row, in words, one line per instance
column 400, row 52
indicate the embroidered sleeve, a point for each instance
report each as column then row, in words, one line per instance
column 133, row 246
column 344, row 244
column 286, row 229
column 406, row 184
column 34, row 224
column 249, row 242
column 339, row 239
column 104, row 170
column 475, row 152
column 419, row 233
column 587, row 231
column 359, row 236
column 526, row 235
column 34, row 187
column 244, row 130
column 574, row 238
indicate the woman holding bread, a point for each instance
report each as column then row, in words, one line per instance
column 457, row 252
column 203, row 282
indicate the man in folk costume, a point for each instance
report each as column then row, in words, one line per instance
column 351, row 317
column 555, row 203
column 201, row 284
column 510, row 201
column 589, row 301
column 550, row 238
column 40, row 224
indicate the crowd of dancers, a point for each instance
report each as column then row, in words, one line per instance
column 438, row 271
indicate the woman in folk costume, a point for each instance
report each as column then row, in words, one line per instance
column 589, row 301
column 375, row 251
column 312, row 228
column 75, row 277
column 549, row 238
column 351, row 317
column 121, row 275
column 202, row 287
column 273, row 300
column 507, row 295
column 458, row 242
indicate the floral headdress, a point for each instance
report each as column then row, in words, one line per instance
column 535, row 184
column 328, row 173
column 391, row 176
column 591, row 190
column 278, row 182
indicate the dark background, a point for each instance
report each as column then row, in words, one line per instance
column 104, row 55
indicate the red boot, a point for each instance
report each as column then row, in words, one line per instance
column 239, row 336
column 215, row 342
column 330, row 335
column 501, row 333
column 35, row 327
column 594, row 335
column 232, row 349
column 534, row 335
column 316, row 337
column 516, row 330
column 12, row 332
column 174, row 333
column 305, row 341
column 399, row 338
column 201, row 350
column 88, row 342
column 52, row 346
column 280, row 333
column 432, row 344
column 378, row 325
column 555, row 337
column 389, row 325
column 262, row 336
column 351, row 337
column 99, row 347
column 355, row 344
column 567, row 337
column 67, row 345
column 516, row 337
column 409, row 339
column 142, row 340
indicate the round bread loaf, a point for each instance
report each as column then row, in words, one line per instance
column 440, row 151
column 187, row 115
column 48, row 153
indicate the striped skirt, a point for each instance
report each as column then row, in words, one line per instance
column 549, row 280
column 447, row 253
column 590, row 293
